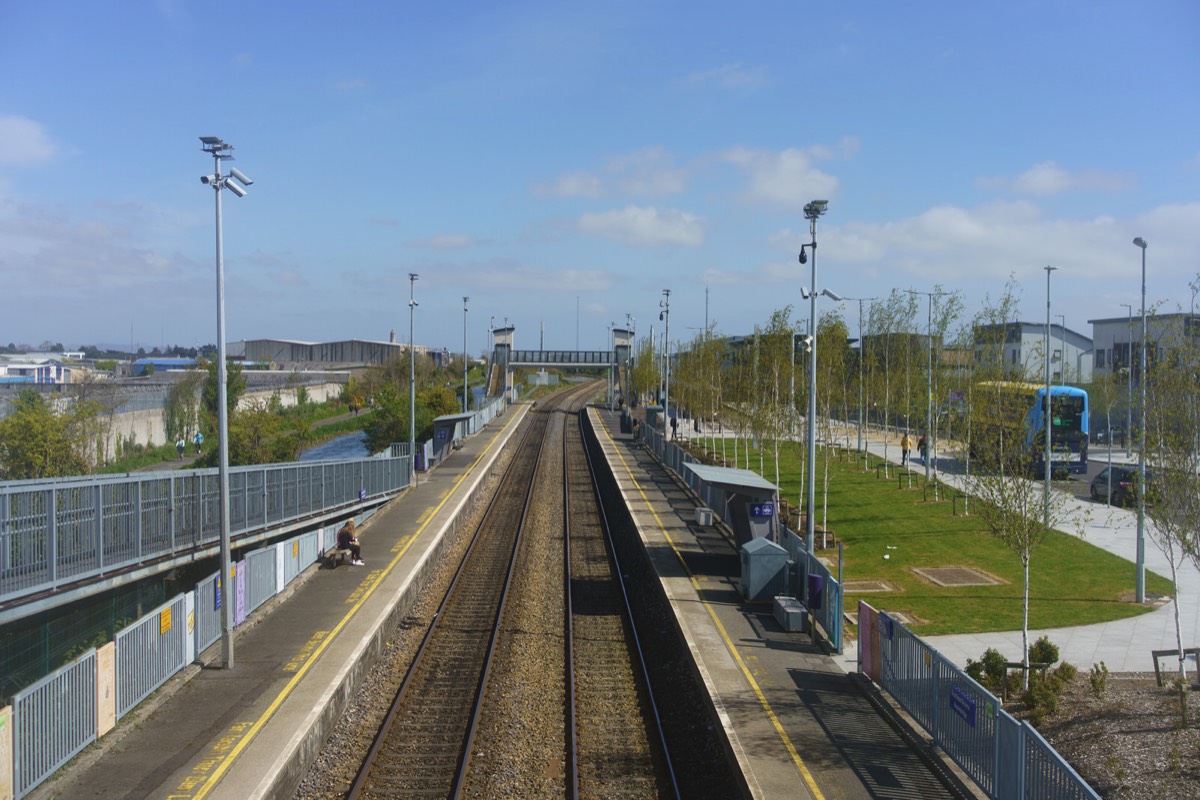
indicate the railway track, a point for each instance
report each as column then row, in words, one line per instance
column 421, row 748
column 619, row 749
column 528, row 682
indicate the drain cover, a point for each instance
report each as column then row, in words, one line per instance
column 858, row 587
column 956, row 576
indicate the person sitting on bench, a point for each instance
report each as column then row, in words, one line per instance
column 346, row 540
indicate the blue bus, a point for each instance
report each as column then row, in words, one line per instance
column 1024, row 405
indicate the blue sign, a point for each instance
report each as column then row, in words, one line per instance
column 963, row 705
column 762, row 509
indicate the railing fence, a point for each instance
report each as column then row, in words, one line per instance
column 1007, row 758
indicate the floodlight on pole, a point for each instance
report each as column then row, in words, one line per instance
column 220, row 150
column 412, row 376
column 812, row 211
column 1139, row 590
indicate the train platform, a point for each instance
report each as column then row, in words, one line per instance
column 799, row 724
column 248, row 731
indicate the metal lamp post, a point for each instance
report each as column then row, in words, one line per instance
column 412, row 376
column 1049, row 408
column 1128, row 385
column 220, row 150
column 931, row 448
column 1139, row 590
column 466, row 405
column 861, row 365
column 1062, row 361
column 812, row 211
column 665, row 316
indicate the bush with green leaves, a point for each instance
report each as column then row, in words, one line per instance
column 989, row 671
column 1043, row 651
column 1099, row 679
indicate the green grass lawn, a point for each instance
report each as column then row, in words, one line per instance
column 1071, row 582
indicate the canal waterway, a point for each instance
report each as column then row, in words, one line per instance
column 352, row 445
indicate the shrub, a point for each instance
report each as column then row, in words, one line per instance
column 989, row 670
column 1099, row 679
column 1043, row 651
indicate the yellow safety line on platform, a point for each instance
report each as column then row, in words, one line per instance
column 746, row 672
column 228, row 759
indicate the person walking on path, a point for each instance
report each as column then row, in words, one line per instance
column 923, row 446
column 179, row 445
column 905, row 448
column 198, row 439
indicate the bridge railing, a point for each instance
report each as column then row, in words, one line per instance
column 65, row 531
column 563, row 357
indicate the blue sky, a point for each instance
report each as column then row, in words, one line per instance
column 563, row 163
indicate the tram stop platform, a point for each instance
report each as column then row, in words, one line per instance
column 799, row 725
column 245, row 732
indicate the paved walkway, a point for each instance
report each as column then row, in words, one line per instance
column 1123, row 645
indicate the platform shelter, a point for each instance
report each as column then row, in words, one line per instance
column 746, row 501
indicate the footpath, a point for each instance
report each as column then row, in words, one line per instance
column 1123, row 645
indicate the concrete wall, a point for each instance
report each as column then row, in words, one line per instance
column 149, row 426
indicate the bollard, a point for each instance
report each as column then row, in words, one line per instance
column 899, row 480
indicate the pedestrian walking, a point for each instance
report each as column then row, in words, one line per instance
column 905, row 448
column 923, row 447
column 179, row 445
column 198, row 440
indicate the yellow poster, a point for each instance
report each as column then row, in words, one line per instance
column 106, row 688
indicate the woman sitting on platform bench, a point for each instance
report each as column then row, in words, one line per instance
column 346, row 540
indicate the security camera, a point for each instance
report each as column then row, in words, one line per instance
column 237, row 173
column 803, row 257
column 837, row 298
column 206, row 179
column 233, row 187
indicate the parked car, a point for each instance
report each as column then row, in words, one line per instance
column 1124, row 484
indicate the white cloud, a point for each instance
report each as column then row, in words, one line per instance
column 730, row 76
column 1048, row 178
column 785, row 179
column 984, row 245
column 445, row 241
column 25, row 142
column 572, row 184
column 649, row 172
column 645, row 225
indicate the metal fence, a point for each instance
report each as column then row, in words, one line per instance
column 149, row 651
column 53, row 720
column 1007, row 758
column 829, row 613
column 56, row 717
column 53, row 533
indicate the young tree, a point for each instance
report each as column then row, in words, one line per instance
column 1172, row 496
column 1014, row 508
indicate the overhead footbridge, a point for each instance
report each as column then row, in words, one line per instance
column 505, row 358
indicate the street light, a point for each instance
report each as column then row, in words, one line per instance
column 412, row 376
column 812, row 211
column 1139, row 589
column 1063, row 362
column 1128, row 437
column 665, row 316
column 220, row 150
column 931, row 448
column 465, row 405
column 861, row 366
column 1047, row 415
